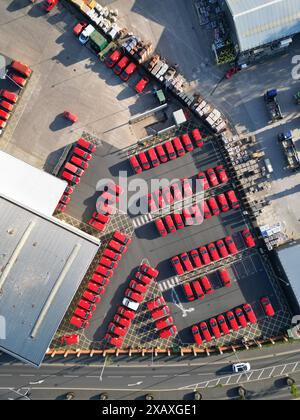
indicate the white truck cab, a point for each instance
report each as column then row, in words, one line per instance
column 85, row 34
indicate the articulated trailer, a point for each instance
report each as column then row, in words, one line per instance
column 273, row 106
column 289, row 149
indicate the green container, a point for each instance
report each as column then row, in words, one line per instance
column 98, row 41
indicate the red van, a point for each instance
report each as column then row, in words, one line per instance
column 178, row 147
column 197, row 137
column 9, row 96
column 188, row 291
column 161, row 154
column 135, row 165
column 21, row 68
column 144, row 161
column 207, row 285
column 178, row 221
column 225, row 277
column 82, row 153
column 123, row 239
column 198, row 289
column 121, row 65
column 4, row 115
column 112, row 59
column 212, row 203
column 187, row 142
column 153, row 158
column 7, row 106
column 170, row 224
column 2, row 124
column 74, row 169
column 170, row 150
column 79, row 162
column 128, row 72
column 161, row 227
column 79, row 323
column 84, row 144
column 206, row 211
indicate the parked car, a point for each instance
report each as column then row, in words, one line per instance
column 178, row 147
column 164, row 323
column 4, row 115
column 212, row 203
column 106, row 262
column 9, row 96
column 2, row 124
column 177, row 266
column 250, row 313
column 160, row 312
column 78, row 28
column 204, row 255
column 113, row 341
column 83, row 314
column 267, row 306
column 86, row 145
column 149, row 271
column 203, row 179
column 136, row 297
column 68, row 340
column 197, row 214
column 198, row 291
column 19, row 80
column 197, row 137
column 232, row 321
column 215, row 328
column 142, row 84
column 128, row 72
column 91, row 297
column 161, row 154
column 212, row 177
column 116, row 246
column 135, row 164
column 112, row 59
column 117, row 329
column 96, row 288
column 88, row 306
column 195, row 257
column 143, row 278
column 112, row 255
column 138, row 287
column 125, row 312
column 101, row 218
column 241, row 368
column 223, row 203
column 122, row 238
column 102, row 281
column 73, row 118
column 223, row 324
column 178, row 221
column 248, row 238
column 123, row 322
column 153, row 157
column 169, row 199
column 168, row 332
column 241, row 318
column 73, row 169
column 69, row 190
column 82, row 153
column 156, row 303
column 185, row 259
column 188, row 217
column 205, row 332
column 187, row 187
column 197, row 336
column 232, row 198
column 70, row 177
column 213, row 252
column 170, row 224
column 97, row 225
column 177, row 192
column 65, row 199
column 221, row 174
column 170, row 150
column 187, row 142
column 188, row 292
column 61, row 207
column 121, row 65
column 231, row 245
column 225, row 277
column 130, row 304
column 221, row 247
column 206, row 211
column 206, row 284
column 79, row 323
column 104, row 271
column 7, row 106
column 144, row 161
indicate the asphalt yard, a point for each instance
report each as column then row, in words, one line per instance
column 251, row 276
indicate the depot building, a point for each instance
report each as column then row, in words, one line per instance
column 262, row 27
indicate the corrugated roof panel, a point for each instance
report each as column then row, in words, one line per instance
column 289, row 257
column 42, row 264
column 260, row 22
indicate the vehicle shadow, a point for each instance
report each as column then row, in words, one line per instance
column 60, row 123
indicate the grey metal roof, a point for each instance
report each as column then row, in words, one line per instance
column 42, row 263
column 259, row 22
column 289, row 257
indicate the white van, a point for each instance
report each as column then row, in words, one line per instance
column 269, row 166
column 85, row 35
column 130, row 304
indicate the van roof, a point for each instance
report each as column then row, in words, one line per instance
column 88, row 30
